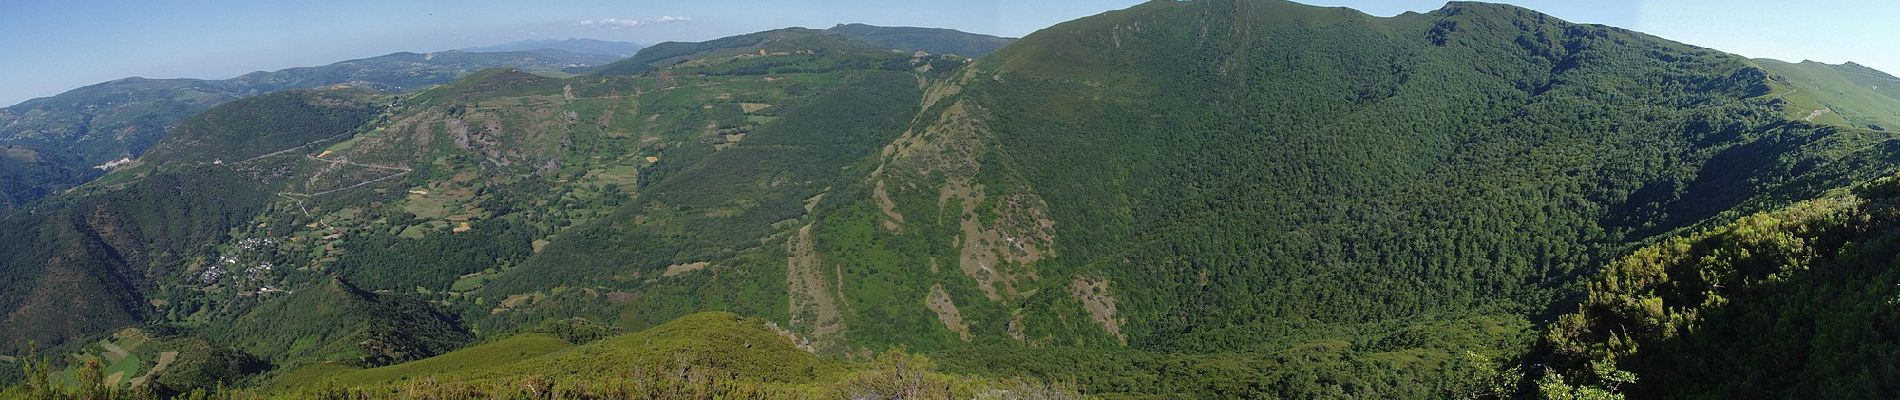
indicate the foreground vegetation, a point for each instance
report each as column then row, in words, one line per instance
column 1792, row 303
column 1209, row 199
column 706, row 355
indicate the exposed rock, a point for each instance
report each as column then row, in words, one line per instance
column 1094, row 295
column 939, row 302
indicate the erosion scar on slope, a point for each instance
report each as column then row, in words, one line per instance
column 1093, row 293
column 682, row 269
column 812, row 306
column 939, row 302
column 884, row 203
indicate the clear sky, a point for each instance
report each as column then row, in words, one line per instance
column 50, row 46
column 1831, row 31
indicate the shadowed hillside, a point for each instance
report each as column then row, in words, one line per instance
column 1205, row 199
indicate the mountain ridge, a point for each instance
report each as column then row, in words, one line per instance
column 106, row 123
column 932, row 40
column 1220, row 198
column 576, row 45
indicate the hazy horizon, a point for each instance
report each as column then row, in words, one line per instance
column 63, row 46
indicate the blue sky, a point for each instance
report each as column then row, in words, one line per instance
column 50, row 46
column 1833, row 31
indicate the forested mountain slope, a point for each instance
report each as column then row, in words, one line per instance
column 27, row 174
column 932, row 40
column 1792, row 303
column 1259, row 164
column 1220, row 198
column 436, row 193
column 1251, row 176
column 120, row 119
column 809, row 44
column 89, row 262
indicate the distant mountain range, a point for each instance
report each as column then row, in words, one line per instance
column 931, row 40
column 572, row 45
column 113, row 122
column 841, row 38
column 118, row 120
column 1206, row 199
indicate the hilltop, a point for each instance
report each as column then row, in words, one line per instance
column 107, row 124
column 930, row 40
column 1848, row 95
column 1220, row 199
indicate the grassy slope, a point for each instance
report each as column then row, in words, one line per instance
column 496, row 354
column 1854, row 95
column 743, row 347
column 702, row 355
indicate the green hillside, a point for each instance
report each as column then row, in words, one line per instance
column 337, row 322
column 433, row 194
column 1791, row 303
column 704, row 355
column 480, row 356
column 1847, row 94
column 1207, row 199
column 1256, row 176
column 931, row 40
column 27, row 174
column 778, row 50
column 1377, row 179
column 78, row 120
column 120, row 120
column 236, row 131
column 712, row 353
column 135, row 111
column 162, row 362
column 132, row 246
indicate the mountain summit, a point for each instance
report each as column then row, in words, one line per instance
column 1208, row 199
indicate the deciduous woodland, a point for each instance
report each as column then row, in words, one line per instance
column 1182, row 199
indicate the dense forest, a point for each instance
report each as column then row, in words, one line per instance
column 1206, row 199
column 28, row 174
column 1791, row 303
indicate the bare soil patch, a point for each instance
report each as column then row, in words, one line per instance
column 1093, row 292
column 681, row 269
column 939, row 302
column 812, row 305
